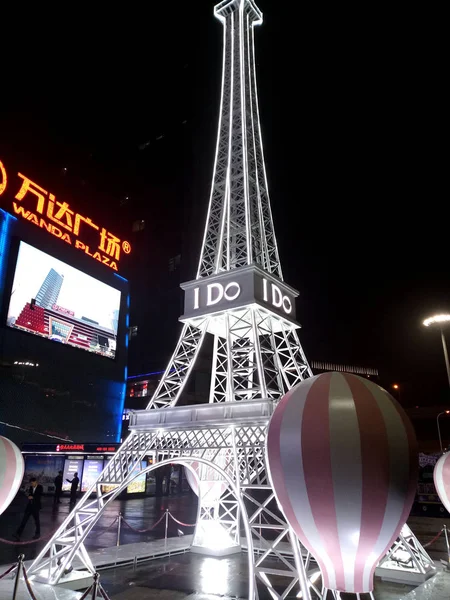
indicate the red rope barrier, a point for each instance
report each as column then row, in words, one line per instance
column 8, row 571
column 180, row 522
column 104, row 594
column 85, row 595
column 14, row 543
column 144, row 530
column 27, row 583
column 433, row 540
column 109, row 527
column 47, row 536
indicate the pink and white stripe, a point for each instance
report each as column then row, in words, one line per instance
column 207, row 479
column 342, row 457
column 11, row 472
column 442, row 479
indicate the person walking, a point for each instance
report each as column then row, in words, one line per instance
column 73, row 488
column 32, row 510
column 58, row 488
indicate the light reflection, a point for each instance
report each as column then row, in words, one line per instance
column 212, row 535
column 214, row 574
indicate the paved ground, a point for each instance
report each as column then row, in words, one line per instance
column 140, row 513
column 183, row 577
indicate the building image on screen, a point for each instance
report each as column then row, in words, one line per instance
column 72, row 465
column 92, row 470
column 51, row 299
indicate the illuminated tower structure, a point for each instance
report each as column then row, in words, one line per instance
column 48, row 293
column 240, row 298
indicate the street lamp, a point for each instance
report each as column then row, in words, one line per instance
column 445, row 412
column 396, row 387
column 439, row 319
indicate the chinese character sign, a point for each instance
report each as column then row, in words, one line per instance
column 39, row 206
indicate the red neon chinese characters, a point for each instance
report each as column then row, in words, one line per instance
column 78, row 219
column 63, row 211
column 112, row 244
column 28, row 186
column 46, row 212
column 4, row 179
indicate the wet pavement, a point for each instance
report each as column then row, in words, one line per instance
column 181, row 577
column 140, row 513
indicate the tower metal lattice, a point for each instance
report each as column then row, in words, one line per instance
column 239, row 297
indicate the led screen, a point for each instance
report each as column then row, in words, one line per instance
column 72, row 466
column 92, row 471
column 53, row 300
column 110, row 486
column 138, row 484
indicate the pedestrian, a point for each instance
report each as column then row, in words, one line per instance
column 58, row 488
column 73, row 488
column 32, row 510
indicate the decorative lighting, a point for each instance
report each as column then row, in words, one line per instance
column 214, row 536
column 436, row 319
column 311, row 580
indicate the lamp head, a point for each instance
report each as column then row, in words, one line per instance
column 436, row 319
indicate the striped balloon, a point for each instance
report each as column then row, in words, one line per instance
column 11, row 472
column 206, row 478
column 343, row 461
column 442, row 479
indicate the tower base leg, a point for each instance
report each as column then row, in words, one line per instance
column 216, row 552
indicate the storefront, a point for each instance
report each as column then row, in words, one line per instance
column 44, row 461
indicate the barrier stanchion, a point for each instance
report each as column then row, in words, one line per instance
column 95, row 586
column 446, row 541
column 119, row 527
column 17, row 579
column 167, row 528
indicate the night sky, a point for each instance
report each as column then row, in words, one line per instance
column 352, row 114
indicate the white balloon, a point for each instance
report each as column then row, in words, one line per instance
column 442, row 479
column 12, row 467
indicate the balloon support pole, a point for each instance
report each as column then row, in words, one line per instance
column 448, row 547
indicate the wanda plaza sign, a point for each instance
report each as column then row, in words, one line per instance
column 40, row 207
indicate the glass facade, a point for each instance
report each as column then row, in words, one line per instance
column 48, row 293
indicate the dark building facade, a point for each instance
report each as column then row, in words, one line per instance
column 63, row 330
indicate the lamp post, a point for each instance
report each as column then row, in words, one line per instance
column 440, row 319
column 444, row 412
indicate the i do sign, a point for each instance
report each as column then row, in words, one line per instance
column 239, row 287
column 215, row 292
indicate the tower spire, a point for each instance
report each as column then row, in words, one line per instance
column 239, row 227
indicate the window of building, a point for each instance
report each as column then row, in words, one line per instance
column 174, row 262
column 138, row 225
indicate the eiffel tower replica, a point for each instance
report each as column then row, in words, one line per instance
column 240, row 298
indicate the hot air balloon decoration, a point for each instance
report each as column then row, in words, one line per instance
column 11, row 472
column 206, row 482
column 441, row 477
column 343, row 461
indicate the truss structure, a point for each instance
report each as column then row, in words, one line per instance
column 257, row 358
column 239, row 226
column 407, row 560
column 229, row 439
